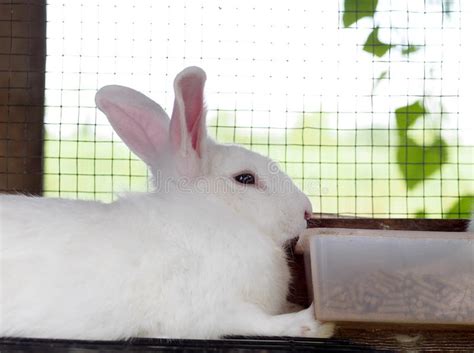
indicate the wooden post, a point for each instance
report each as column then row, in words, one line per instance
column 22, row 72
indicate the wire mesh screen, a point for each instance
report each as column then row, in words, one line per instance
column 364, row 103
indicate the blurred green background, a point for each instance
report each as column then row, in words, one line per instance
column 367, row 172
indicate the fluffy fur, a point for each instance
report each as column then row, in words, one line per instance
column 201, row 257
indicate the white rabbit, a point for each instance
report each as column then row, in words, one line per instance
column 201, row 257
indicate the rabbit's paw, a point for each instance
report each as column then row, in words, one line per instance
column 250, row 320
column 305, row 325
column 317, row 329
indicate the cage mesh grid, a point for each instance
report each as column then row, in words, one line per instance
column 288, row 80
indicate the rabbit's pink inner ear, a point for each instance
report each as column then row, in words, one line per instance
column 143, row 135
column 141, row 123
column 194, row 107
column 188, row 122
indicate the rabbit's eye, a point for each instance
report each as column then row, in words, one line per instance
column 245, row 178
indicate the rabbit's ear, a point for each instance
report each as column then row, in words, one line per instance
column 188, row 121
column 140, row 122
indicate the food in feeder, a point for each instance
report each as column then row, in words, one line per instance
column 404, row 295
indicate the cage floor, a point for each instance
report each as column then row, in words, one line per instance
column 240, row 345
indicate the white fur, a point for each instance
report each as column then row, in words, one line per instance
column 201, row 257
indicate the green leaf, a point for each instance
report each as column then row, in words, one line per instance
column 382, row 76
column 374, row 46
column 420, row 213
column 410, row 49
column 417, row 162
column 407, row 116
column 354, row 10
column 462, row 208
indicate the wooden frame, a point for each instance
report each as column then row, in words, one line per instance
column 22, row 73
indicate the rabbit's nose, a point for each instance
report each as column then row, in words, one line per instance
column 307, row 214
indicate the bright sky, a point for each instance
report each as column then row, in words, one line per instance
column 277, row 56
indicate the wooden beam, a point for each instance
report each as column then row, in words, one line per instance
column 440, row 225
column 22, row 73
